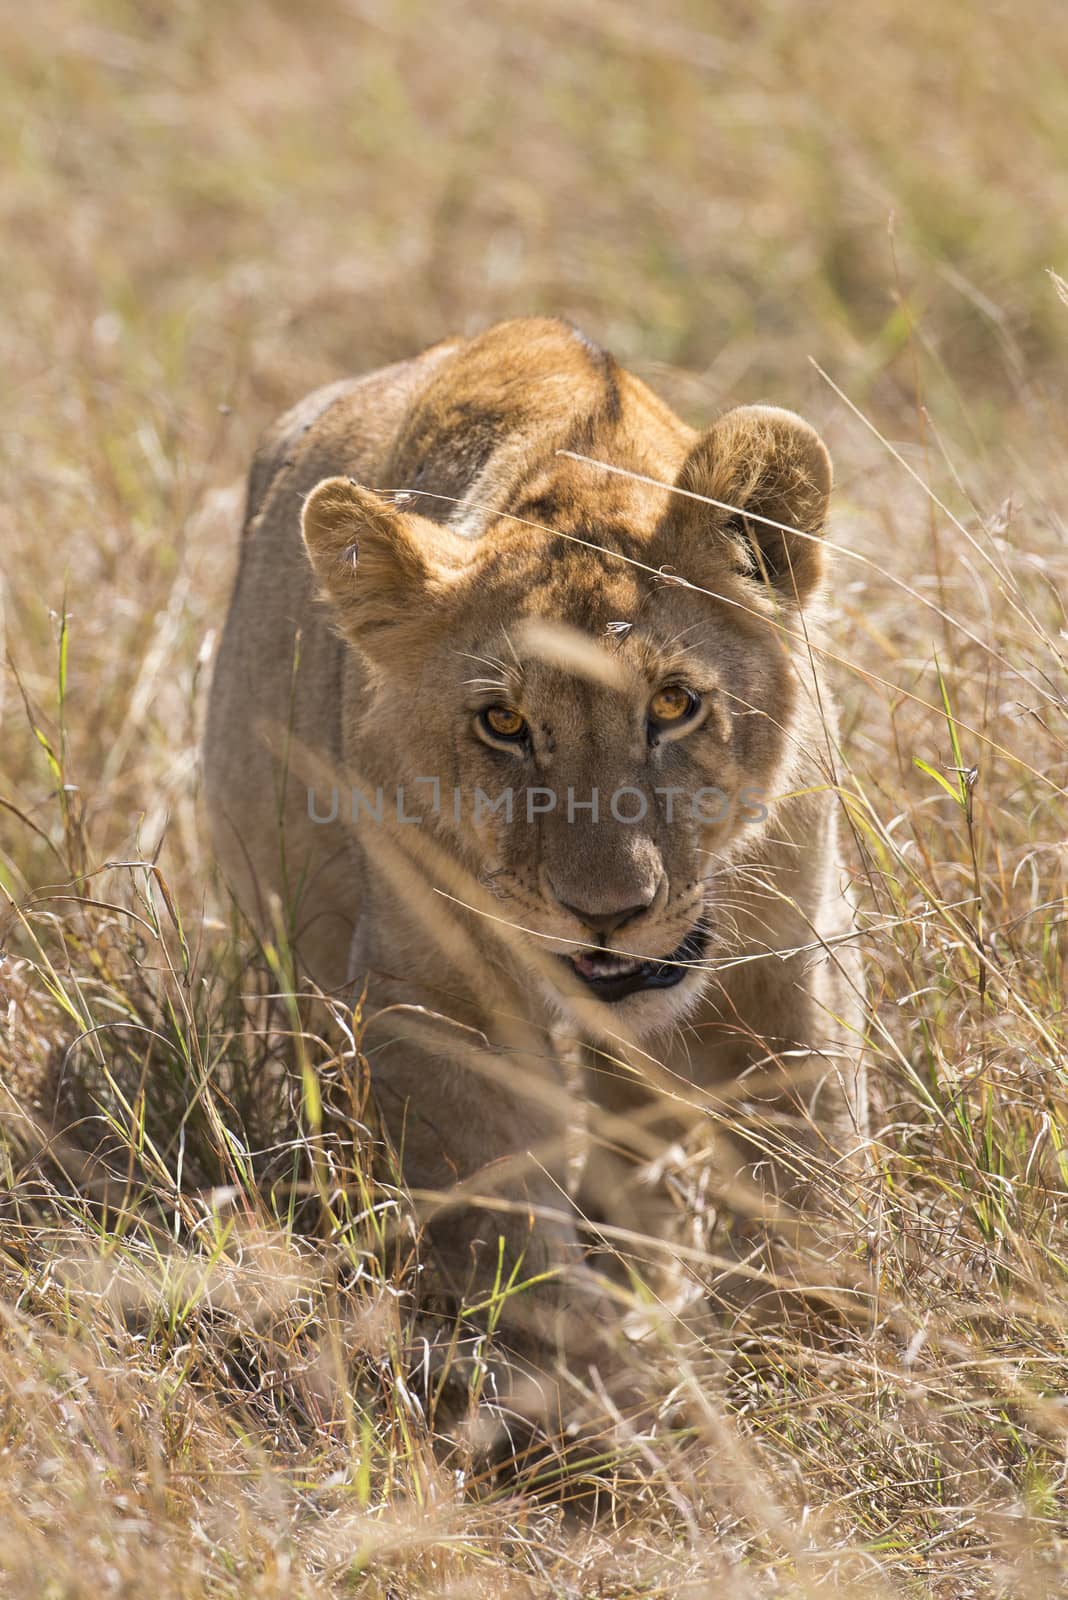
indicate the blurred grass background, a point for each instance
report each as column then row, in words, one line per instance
column 205, row 212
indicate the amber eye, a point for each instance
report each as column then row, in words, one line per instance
column 503, row 722
column 672, row 704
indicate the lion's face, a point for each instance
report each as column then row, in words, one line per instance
column 606, row 706
column 610, row 747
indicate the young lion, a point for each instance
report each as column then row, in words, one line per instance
column 549, row 772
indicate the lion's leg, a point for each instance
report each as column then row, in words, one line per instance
column 629, row 1126
column 784, row 1139
column 794, row 1106
column 759, row 1159
column 482, row 1129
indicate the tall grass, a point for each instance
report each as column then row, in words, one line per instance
column 212, row 1380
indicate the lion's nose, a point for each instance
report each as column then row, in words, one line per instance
column 608, row 922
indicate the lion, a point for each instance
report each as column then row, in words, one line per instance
column 516, row 721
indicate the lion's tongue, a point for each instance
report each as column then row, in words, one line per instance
column 605, row 965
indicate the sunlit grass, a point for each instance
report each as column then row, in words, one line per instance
column 212, row 1380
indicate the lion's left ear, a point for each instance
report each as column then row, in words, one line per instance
column 773, row 468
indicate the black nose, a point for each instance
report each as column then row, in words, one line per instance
column 607, row 922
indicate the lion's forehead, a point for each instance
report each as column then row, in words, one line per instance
column 597, row 593
column 643, row 617
column 569, row 660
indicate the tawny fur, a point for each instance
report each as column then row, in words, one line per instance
column 445, row 538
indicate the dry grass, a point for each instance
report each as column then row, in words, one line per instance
column 204, row 1353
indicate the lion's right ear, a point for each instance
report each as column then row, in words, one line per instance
column 377, row 565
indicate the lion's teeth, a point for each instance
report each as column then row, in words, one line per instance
column 605, row 966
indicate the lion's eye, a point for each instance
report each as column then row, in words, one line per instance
column 672, row 704
column 503, row 722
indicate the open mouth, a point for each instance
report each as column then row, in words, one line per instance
column 612, row 977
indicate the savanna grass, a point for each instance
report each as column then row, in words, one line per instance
column 213, row 1381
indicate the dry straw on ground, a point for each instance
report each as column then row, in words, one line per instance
column 210, row 1386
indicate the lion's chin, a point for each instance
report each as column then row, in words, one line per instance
column 644, row 1017
column 643, row 997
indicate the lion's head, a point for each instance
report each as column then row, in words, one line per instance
column 600, row 683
